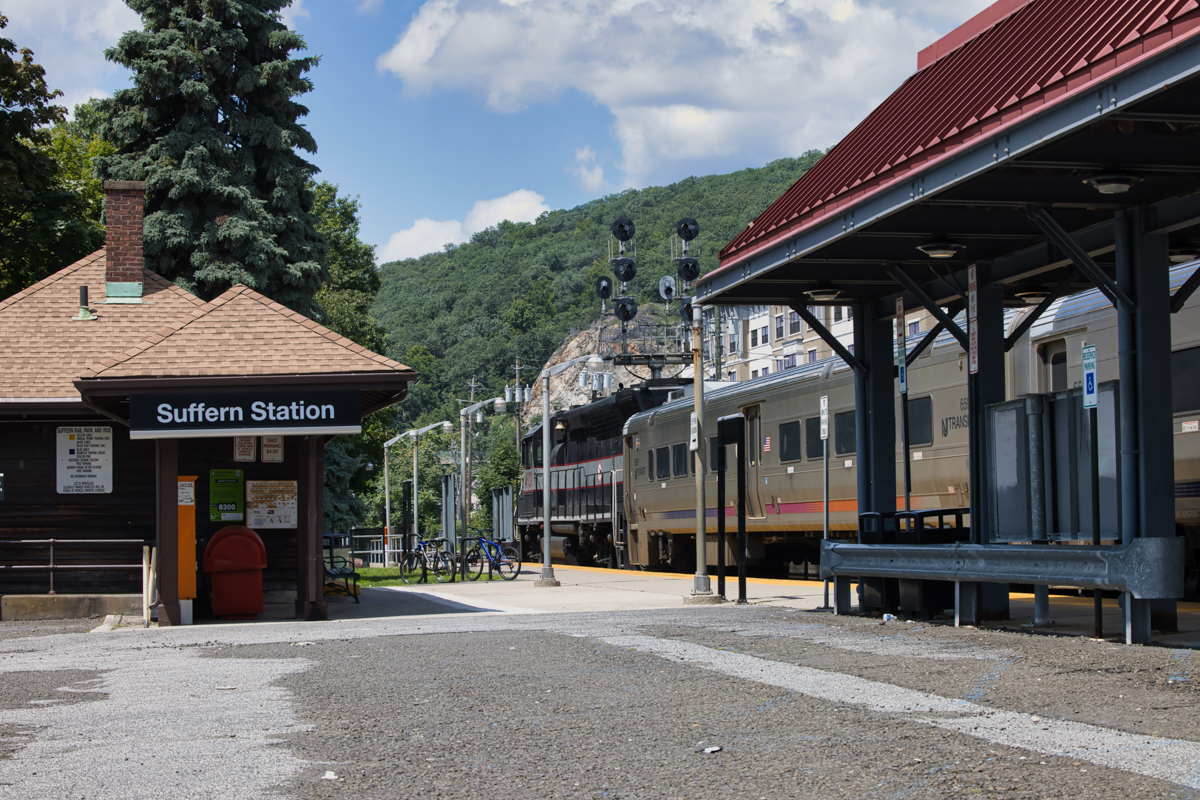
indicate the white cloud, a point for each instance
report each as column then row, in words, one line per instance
column 429, row 235
column 68, row 38
column 369, row 6
column 590, row 177
column 682, row 82
column 296, row 11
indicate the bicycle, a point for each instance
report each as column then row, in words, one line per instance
column 503, row 559
column 429, row 556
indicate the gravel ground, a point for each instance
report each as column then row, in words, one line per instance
column 604, row 705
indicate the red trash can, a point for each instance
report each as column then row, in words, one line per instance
column 235, row 558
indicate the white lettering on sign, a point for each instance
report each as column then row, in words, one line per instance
column 84, row 460
column 272, row 450
column 1191, row 426
column 245, row 448
column 260, row 411
column 1089, row 376
column 973, row 349
column 198, row 412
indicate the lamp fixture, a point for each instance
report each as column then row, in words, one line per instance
column 1033, row 297
column 822, row 295
column 940, row 248
column 559, row 425
column 1112, row 182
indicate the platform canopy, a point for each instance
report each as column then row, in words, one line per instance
column 1019, row 122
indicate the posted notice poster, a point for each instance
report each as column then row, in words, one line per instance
column 271, row 504
column 84, row 460
column 226, row 495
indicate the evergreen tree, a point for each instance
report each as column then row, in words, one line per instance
column 354, row 281
column 212, row 125
column 43, row 224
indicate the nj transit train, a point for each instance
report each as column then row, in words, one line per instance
column 622, row 479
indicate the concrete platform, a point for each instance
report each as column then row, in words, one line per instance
column 68, row 606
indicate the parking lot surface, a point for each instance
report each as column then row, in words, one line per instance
column 490, row 689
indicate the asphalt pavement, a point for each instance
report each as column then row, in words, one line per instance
column 605, row 687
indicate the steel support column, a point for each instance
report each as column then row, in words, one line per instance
column 1156, row 441
column 985, row 388
column 875, row 406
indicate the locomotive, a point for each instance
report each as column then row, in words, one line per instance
column 623, row 480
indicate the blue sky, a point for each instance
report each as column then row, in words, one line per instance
column 447, row 116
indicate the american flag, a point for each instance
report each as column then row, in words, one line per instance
column 766, row 444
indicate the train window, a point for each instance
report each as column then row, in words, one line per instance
column 663, row 467
column 813, row 449
column 650, row 465
column 1054, row 359
column 920, row 421
column 714, row 454
column 845, row 439
column 537, row 452
column 679, row 454
column 1185, row 380
column 789, row 441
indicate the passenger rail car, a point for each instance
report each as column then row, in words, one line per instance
column 655, row 522
column 586, row 477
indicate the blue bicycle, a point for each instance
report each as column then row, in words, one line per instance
column 502, row 559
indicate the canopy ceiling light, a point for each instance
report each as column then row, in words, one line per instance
column 940, row 248
column 822, row 295
column 1112, row 182
column 1033, row 297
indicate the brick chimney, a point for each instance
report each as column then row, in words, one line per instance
column 123, row 228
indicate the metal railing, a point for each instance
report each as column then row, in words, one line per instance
column 52, row 566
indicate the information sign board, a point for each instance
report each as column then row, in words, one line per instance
column 226, row 495
column 824, row 417
column 272, row 449
column 1089, row 376
column 271, row 504
column 972, row 315
column 902, row 343
column 84, row 460
column 245, row 448
column 694, row 441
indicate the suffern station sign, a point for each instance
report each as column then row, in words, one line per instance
column 206, row 414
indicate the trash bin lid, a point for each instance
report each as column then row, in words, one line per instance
column 235, row 548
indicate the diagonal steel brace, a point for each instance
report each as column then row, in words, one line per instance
column 933, row 308
column 1062, row 240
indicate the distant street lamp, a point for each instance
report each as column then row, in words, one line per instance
column 387, row 484
column 548, row 578
column 463, row 416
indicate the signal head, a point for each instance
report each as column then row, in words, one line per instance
column 685, row 311
column 623, row 229
column 688, row 268
column 624, row 269
column 626, row 308
column 604, row 287
column 687, row 228
column 666, row 288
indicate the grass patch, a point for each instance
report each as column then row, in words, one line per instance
column 390, row 576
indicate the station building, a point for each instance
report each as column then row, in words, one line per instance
column 133, row 413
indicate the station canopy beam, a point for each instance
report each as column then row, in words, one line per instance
column 1050, row 171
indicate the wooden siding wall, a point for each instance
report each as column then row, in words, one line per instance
column 33, row 509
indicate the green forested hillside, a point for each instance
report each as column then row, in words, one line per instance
column 516, row 289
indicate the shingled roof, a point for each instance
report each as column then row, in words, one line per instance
column 244, row 333
column 45, row 349
column 171, row 334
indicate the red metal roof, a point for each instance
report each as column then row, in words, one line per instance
column 1012, row 61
